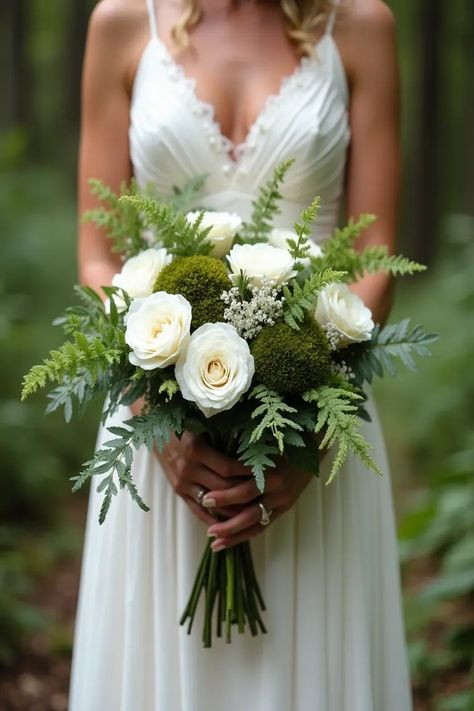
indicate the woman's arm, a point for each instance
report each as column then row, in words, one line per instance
column 366, row 35
column 104, row 150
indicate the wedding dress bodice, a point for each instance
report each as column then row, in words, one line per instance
column 174, row 136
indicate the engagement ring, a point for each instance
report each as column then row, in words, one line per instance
column 199, row 496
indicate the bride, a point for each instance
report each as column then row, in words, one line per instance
column 177, row 88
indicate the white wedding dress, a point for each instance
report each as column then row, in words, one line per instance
column 328, row 568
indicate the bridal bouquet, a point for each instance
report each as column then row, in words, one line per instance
column 237, row 331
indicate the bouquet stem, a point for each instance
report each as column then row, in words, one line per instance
column 228, row 579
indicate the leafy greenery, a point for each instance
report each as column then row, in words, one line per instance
column 272, row 418
column 337, row 420
column 392, row 342
column 120, row 222
column 299, row 248
column 124, row 222
column 300, row 299
column 265, row 207
column 153, row 428
column 171, row 228
column 340, row 253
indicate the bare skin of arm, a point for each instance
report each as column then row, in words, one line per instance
column 366, row 37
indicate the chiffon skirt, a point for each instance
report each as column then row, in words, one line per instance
column 329, row 573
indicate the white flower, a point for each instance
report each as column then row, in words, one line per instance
column 262, row 263
column 279, row 237
column 139, row 274
column 157, row 329
column 339, row 308
column 216, row 369
column 224, row 226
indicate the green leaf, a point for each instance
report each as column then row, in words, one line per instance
column 387, row 345
column 336, row 418
column 172, row 229
column 270, row 412
column 299, row 299
column 265, row 207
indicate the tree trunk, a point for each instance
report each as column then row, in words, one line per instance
column 18, row 110
column 426, row 217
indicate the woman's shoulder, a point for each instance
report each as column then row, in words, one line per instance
column 118, row 18
column 366, row 34
column 359, row 17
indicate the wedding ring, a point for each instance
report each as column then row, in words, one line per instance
column 266, row 515
column 200, row 495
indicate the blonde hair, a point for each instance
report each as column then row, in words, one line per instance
column 302, row 18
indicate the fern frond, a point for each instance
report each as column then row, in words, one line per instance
column 265, row 206
column 298, row 299
column 336, row 416
column 121, row 224
column 183, row 197
column 387, row 345
column 258, row 455
column 299, row 248
column 173, row 230
column 272, row 413
column 339, row 252
column 115, row 458
column 73, row 357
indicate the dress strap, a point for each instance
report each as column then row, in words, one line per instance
column 332, row 17
column 152, row 17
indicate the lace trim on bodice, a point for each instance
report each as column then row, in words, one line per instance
column 232, row 151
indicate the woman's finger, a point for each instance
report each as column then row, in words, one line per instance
column 220, row 543
column 244, row 519
column 240, row 494
column 199, row 511
column 220, row 463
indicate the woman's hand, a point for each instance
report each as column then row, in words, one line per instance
column 190, row 464
column 283, row 487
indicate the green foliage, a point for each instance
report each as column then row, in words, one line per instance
column 171, row 228
column 339, row 423
column 265, row 207
column 201, row 280
column 300, row 299
column 120, row 222
column 115, row 458
column 270, row 412
column 182, row 198
column 392, row 342
column 258, row 455
column 79, row 355
column 299, row 248
column 339, row 253
column 124, row 224
column 291, row 361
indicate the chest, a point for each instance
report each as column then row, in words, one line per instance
column 234, row 64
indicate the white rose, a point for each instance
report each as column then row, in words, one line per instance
column 224, row 226
column 139, row 274
column 339, row 307
column 261, row 263
column 157, row 329
column 279, row 237
column 216, row 369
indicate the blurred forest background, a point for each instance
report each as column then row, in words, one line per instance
column 428, row 416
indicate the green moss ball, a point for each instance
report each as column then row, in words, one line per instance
column 201, row 280
column 290, row 361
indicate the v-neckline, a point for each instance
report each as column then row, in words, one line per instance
column 235, row 152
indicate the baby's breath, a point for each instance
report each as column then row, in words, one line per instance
column 343, row 369
column 263, row 308
column 333, row 335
